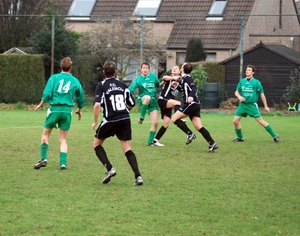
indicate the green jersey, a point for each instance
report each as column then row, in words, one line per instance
column 146, row 85
column 250, row 89
column 62, row 89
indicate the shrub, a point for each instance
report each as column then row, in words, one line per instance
column 292, row 92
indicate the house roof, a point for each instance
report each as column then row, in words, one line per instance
column 14, row 50
column 216, row 34
column 285, row 51
column 278, row 49
column 64, row 6
column 189, row 19
column 222, row 34
column 111, row 8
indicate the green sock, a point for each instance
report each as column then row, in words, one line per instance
column 63, row 158
column 239, row 133
column 143, row 111
column 270, row 130
column 151, row 137
column 44, row 151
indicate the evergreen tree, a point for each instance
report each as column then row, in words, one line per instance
column 65, row 41
column 195, row 51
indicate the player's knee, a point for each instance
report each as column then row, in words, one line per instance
column 146, row 99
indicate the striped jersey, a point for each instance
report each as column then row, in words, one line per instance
column 188, row 88
column 114, row 97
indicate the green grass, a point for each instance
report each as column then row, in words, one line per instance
column 249, row 188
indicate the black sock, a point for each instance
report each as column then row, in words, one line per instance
column 101, row 154
column 206, row 135
column 160, row 133
column 181, row 125
column 131, row 158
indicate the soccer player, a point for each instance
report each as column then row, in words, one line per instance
column 247, row 91
column 167, row 102
column 60, row 91
column 147, row 84
column 191, row 107
column 116, row 100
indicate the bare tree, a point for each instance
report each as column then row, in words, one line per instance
column 120, row 40
column 18, row 19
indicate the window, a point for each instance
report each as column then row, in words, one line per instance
column 217, row 10
column 211, row 57
column 147, row 7
column 180, row 58
column 81, row 7
column 217, row 7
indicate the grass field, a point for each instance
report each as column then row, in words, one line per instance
column 249, row 188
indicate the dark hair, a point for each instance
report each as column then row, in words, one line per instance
column 252, row 67
column 187, row 68
column 109, row 69
column 66, row 64
column 145, row 63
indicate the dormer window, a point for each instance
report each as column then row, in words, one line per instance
column 81, row 9
column 147, row 7
column 217, row 10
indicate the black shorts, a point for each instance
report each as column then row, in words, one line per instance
column 164, row 111
column 191, row 109
column 121, row 128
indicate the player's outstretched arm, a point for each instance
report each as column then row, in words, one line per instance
column 39, row 106
column 78, row 112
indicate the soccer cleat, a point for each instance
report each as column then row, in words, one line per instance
column 140, row 121
column 238, row 140
column 190, row 138
column 212, row 147
column 276, row 139
column 157, row 143
column 138, row 181
column 63, row 167
column 41, row 163
column 108, row 175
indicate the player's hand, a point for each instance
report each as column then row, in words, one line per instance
column 267, row 109
column 94, row 125
column 37, row 107
column 242, row 99
column 190, row 99
column 78, row 112
column 174, row 84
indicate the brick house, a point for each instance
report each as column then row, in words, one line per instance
column 217, row 23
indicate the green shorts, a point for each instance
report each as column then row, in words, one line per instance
column 58, row 115
column 153, row 105
column 250, row 109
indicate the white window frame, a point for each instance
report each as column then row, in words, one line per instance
column 81, row 9
column 147, row 7
column 217, row 10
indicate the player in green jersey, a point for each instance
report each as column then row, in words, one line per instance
column 147, row 84
column 248, row 91
column 60, row 91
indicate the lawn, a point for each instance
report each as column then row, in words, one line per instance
column 248, row 188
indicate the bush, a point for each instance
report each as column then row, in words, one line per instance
column 200, row 77
column 292, row 92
